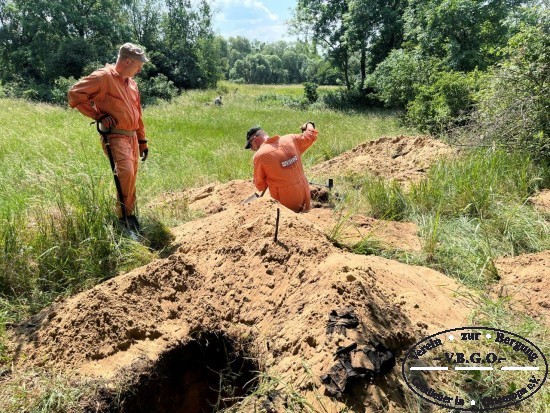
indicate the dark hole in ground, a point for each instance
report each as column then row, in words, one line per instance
column 209, row 373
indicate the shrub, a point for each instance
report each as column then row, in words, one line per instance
column 60, row 88
column 348, row 99
column 445, row 103
column 397, row 78
column 310, row 92
column 513, row 108
column 155, row 88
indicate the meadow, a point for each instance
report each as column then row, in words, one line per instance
column 57, row 224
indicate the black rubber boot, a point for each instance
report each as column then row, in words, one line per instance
column 130, row 227
column 133, row 223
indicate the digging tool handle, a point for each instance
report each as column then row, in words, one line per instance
column 330, row 184
column 253, row 197
column 105, row 137
column 277, row 225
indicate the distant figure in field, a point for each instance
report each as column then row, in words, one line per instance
column 111, row 97
column 218, row 101
column 278, row 165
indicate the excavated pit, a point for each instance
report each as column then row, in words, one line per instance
column 208, row 373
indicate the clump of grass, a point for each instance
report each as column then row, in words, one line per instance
column 475, row 184
column 44, row 391
column 465, row 247
column 386, row 199
column 70, row 244
column 430, row 233
column 500, row 313
column 343, row 221
column 274, row 393
column 368, row 246
column 520, row 228
column 462, row 250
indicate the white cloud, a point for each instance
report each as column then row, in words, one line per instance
column 250, row 7
column 262, row 20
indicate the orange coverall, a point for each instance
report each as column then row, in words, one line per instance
column 105, row 93
column 278, row 165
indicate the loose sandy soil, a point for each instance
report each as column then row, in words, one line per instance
column 541, row 201
column 229, row 276
column 403, row 158
column 525, row 280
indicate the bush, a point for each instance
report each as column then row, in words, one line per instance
column 310, row 92
column 396, row 79
column 348, row 99
column 513, row 108
column 155, row 88
column 445, row 103
column 60, row 88
column 385, row 198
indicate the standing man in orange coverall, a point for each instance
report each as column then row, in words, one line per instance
column 278, row 165
column 110, row 96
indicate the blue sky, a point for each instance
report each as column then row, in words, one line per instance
column 255, row 19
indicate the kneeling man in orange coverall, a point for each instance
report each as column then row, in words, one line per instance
column 278, row 165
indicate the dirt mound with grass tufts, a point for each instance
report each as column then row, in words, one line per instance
column 403, row 158
column 232, row 301
column 348, row 230
column 229, row 276
column 541, row 201
column 208, row 199
column 524, row 280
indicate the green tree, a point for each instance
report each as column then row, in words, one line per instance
column 397, row 79
column 324, row 22
column 464, row 33
column 37, row 36
column 513, row 107
column 373, row 29
column 145, row 19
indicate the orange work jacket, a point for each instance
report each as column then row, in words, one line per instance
column 105, row 93
column 278, row 165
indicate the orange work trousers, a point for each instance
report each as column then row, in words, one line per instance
column 125, row 151
column 295, row 197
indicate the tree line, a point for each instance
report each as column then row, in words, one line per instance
column 453, row 66
column 443, row 62
column 47, row 44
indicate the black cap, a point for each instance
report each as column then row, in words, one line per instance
column 251, row 132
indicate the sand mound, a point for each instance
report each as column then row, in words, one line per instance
column 230, row 276
column 350, row 230
column 209, row 199
column 541, row 201
column 525, row 280
column 404, row 158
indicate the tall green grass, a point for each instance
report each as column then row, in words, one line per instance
column 476, row 184
column 469, row 210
